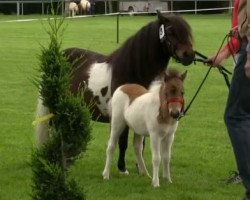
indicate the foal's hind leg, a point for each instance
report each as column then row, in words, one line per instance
column 138, row 147
column 116, row 128
column 123, row 144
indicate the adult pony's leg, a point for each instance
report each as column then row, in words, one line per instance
column 123, row 144
column 41, row 134
column 166, row 145
column 138, row 147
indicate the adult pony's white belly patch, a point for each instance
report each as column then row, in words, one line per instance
column 100, row 84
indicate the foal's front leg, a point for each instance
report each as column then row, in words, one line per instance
column 116, row 127
column 166, row 145
column 156, row 158
column 138, row 148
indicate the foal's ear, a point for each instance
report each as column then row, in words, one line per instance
column 184, row 75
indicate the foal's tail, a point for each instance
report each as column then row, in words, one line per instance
column 41, row 127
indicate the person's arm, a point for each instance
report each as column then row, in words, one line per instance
column 233, row 46
column 234, row 43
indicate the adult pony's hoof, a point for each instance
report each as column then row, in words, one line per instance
column 124, row 172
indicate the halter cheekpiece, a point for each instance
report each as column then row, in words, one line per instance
column 165, row 41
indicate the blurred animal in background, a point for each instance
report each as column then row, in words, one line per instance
column 84, row 7
column 73, row 9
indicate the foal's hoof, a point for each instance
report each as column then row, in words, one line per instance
column 155, row 182
column 148, row 175
column 105, row 176
column 168, row 179
column 124, row 172
column 155, row 185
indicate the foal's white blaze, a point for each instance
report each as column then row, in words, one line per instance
column 100, row 77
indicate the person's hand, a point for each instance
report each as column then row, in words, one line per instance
column 247, row 66
column 234, row 32
column 216, row 60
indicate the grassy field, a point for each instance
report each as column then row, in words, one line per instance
column 202, row 155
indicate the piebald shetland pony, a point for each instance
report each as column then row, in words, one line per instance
column 150, row 113
column 139, row 60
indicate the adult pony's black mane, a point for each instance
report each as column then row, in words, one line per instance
column 136, row 60
column 142, row 57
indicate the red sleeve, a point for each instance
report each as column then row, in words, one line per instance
column 234, row 44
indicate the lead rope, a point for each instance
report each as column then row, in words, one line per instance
column 222, row 70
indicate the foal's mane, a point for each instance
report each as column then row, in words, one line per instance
column 173, row 73
column 142, row 57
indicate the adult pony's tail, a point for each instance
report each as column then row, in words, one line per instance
column 41, row 126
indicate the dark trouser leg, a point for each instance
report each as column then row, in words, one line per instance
column 239, row 133
column 123, row 144
column 237, row 118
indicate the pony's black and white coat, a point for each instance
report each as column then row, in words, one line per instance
column 139, row 60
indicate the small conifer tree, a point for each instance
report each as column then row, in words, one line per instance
column 68, row 130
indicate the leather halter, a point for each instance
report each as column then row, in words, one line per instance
column 166, row 42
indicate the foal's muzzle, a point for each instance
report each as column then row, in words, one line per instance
column 175, row 115
column 176, row 112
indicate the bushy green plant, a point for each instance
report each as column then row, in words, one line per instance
column 68, row 130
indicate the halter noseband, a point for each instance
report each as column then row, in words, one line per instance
column 179, row 100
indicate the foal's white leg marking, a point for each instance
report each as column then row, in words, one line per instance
column 138, row 148
column 155, row 143
column 40, row 130
column 166, row 145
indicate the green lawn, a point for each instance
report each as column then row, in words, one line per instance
column 202, row 155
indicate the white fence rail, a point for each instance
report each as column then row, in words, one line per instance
column 20, row 3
